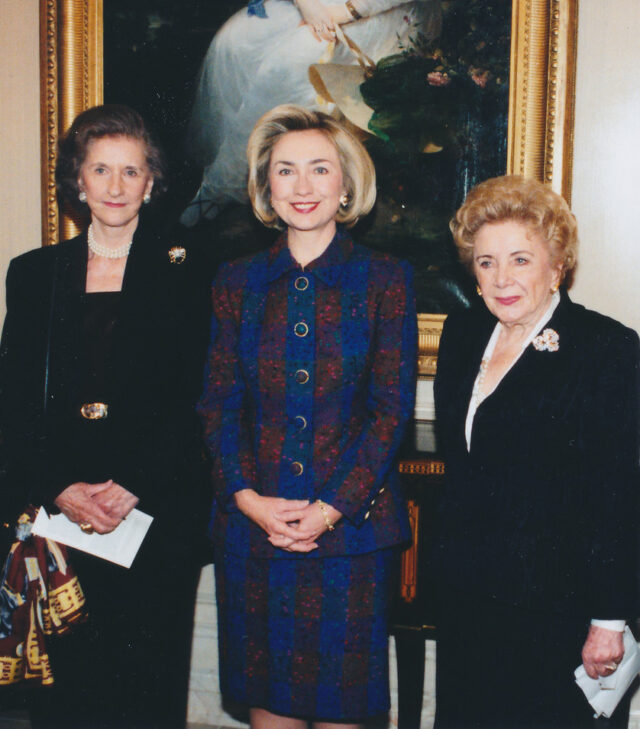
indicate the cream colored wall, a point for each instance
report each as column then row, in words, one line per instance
column 19, row 132
column 606, row 172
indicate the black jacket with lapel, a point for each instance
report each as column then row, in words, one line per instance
column 151, row 435
column 543, row 509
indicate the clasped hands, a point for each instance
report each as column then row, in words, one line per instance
column 101, row 505
column 292, row 525
column 321, row 19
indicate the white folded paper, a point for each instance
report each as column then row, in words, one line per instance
column 604, row 693
column 119, row 546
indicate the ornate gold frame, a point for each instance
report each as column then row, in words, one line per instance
column 541, row 103
column 71, row 80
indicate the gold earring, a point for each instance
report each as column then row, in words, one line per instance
column 344, row 200
column 554, row 288
column 479, row 290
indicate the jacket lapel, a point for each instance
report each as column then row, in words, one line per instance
column 535, row 367
column 65, row 323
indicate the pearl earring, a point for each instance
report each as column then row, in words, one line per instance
column 82, row 196
column 147, row 198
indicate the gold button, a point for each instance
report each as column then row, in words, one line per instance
column 301, row 329
column 301, row 422
column 297, row 468
column 301, row 283
column 302, row 377
column 366, row 516
column 382, row 490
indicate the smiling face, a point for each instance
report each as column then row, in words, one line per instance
column 305, row 180
column 115, row 178
column 515, row 272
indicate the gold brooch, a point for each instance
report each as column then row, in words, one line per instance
column 177, row 254
column 549, row 340
column 94, row 410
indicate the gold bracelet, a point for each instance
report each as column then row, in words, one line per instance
column 354, row 13
column 323, row 509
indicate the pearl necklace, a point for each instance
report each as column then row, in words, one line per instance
column 104, row 251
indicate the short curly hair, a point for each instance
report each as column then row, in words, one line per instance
column 359, row 174
column 521, row 199
column 108, row 120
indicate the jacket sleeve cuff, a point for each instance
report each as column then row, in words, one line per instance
column 609, row 624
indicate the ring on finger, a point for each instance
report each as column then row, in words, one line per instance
column 87, row 527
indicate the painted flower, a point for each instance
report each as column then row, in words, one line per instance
column 548, row 341
column 438, row 78
column 479, row 77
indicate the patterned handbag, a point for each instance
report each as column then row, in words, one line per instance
column 39, row 596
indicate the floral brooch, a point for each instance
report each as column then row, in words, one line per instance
column 548, row 341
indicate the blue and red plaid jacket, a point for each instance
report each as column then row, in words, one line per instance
column 309, row 385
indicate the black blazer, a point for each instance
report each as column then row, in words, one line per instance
column 543, row 510
column 151, row 436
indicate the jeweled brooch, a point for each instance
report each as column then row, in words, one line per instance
column 177, row 254
column 548, row 341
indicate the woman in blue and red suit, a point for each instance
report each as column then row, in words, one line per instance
column 310, row 383
column 537, row 411
column 101, row 365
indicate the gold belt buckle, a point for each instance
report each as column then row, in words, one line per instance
column 94, row 410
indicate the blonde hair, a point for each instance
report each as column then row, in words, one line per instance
column 358, row 172
column 521, row 199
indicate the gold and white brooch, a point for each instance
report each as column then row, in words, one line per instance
column 548, row 341
column 177, row 254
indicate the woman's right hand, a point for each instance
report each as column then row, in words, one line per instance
column 270, row 513
column 78, row 504
column 317, row 16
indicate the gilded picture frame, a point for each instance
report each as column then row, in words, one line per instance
column 541, row 103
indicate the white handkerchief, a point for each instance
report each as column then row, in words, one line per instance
column 119, row 546
column 604, row 693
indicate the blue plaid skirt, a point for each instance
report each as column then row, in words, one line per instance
column 306, row 637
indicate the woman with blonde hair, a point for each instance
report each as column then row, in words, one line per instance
column 261, row 56
column 309, row 385
column 537, row 406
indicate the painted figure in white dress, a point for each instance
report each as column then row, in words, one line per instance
column 260, row 58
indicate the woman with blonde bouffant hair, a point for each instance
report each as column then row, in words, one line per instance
column 537, row 406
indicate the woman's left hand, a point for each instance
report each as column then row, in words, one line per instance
column 317, row 16
column 116, row 500
column 602, row 651
column 310, row 523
